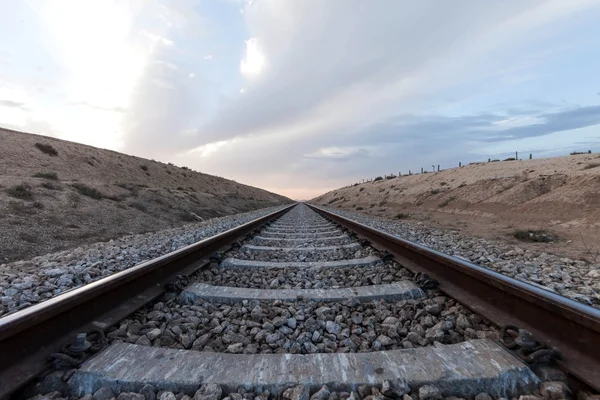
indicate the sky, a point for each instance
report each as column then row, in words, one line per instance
column 304, row 96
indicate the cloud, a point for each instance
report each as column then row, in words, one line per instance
column 96, row 107
column 352, row 63
column 13, row 104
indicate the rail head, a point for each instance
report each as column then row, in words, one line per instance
column 571, row 327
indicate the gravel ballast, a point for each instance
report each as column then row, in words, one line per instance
column 387, row 390
column 24, row 283
column 302, row 327
column 574, row 279
column 305, row 278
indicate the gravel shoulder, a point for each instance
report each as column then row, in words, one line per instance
column 574, row 279
column 24, row 283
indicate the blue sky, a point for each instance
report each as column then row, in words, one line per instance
column 302, row 96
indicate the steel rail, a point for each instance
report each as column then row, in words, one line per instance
column 558, row 322
column 28, row 336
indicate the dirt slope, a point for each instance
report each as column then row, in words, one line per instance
column 561, row 195
column 84, row 194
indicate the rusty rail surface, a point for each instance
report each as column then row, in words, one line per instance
column 27, row 337
column 570, row 327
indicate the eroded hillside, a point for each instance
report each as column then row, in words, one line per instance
column 560, row 195
column 56, row 195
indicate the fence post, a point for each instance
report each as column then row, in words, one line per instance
column 409, row 173
column 421, row 169
column 516, row 155
column 459, row 164
column 530, row 156
column 438, row 167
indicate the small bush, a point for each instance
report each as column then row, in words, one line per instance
column 47, row 149
column 88, row 191
column 443, row 183
column 186, row 216
column 361, row 189
column 138, row 206
column 462, row 185
column 510, row 159
column 22, row 191
column 47, row 175
column 359, row 208
column 186, row 168
column 51, row 186
column 144, row 167
column 446, row 202
column 402, row 216
column 379, row 178
column 532, row 235
column 434, row 191
column 590, row 166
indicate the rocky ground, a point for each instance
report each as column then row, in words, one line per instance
column 302, row 327
column 305, row 278
column 24, row 283
column 574, row 279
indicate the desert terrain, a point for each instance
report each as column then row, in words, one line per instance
column 56, row 195
column 560, row 197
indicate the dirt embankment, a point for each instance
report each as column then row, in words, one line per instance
column 560, row 195
column 56, row 195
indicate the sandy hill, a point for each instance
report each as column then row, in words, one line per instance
column 561, row 195
column 56, row 195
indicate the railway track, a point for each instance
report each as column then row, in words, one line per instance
column 296, row 303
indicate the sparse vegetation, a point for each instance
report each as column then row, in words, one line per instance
column 88, row 191
column 379, row 178
column 22, row 191
column 144, row 167
column 462, row 185
column 575, row 153
column 532, row 235
column 446, row 202
column 52, row 186
column 510, row 159
column 402, row 216
column 593, row 165
column 592, row 254
column 138, row 206
column 47, row 149
column 186, row 216
column 53, row 176
column 443, row 183
column 361, row 189
column 434, row 191
column 359, row 208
